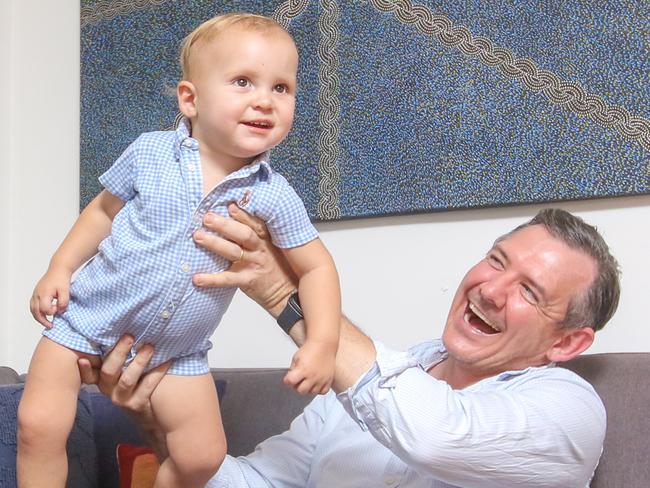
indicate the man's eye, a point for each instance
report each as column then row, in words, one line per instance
column 281, row 88
column 494, row 261
column 529, row 293
column 242, row 82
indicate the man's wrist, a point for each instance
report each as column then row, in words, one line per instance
column 275, row 304
column 291, row 314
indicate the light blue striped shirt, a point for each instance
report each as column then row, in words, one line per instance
column 399, row 427
column 140, row 282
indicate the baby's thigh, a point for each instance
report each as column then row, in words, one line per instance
column 187, row 410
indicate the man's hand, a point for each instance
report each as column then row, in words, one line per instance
column 127, row 388
column 263, row 273
column 258, row 268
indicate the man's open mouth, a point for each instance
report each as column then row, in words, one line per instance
column 477, row 320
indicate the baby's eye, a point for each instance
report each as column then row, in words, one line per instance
column 281, row 88
column 242, row 82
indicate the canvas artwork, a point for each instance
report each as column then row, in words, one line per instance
column 405, row 106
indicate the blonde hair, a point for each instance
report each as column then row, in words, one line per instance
column 211, row 28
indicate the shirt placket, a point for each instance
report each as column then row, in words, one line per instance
column 187, row 156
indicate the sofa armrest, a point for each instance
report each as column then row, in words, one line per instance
column 8, row 376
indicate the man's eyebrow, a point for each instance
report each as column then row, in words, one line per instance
column 529, row 279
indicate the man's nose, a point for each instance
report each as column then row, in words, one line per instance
column 495, row 290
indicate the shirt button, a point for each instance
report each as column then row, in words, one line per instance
column 165, row 314
column 190, row 168
column 187, row 142
column 185, row 268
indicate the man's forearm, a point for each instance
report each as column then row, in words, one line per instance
column 355, row 355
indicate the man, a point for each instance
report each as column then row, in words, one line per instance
column 484, row 407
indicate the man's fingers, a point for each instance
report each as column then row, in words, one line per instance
column 132, row 374
column 89, row 374
column 227, row 279
column 258, row 225
column 151, row 380
column 223, row 247
column 115, row 359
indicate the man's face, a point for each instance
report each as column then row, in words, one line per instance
column 507, row 309
column 245, row 84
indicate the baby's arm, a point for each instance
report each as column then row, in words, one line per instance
column 312, row 367
column 81, row 243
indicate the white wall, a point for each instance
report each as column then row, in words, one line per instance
column 400, row 301
column 43, row 117
column 6, row 84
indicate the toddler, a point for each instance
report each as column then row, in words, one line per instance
column 237, row 96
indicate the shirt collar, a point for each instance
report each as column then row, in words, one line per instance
column 183, row 136
column 432, row 352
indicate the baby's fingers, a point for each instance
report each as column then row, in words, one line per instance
column 293, row 378
column 62, row 299
column 40, row 311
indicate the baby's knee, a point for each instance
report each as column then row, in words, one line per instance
column 201, row 463
column 36, row 426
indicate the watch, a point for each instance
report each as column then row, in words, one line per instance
column 291, row 314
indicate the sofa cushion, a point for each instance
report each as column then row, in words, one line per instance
column 621, row 380
column 82, row 457
column 138, row 466
column 257, row 406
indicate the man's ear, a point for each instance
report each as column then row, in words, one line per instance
column 186, row 95
column 570, row 344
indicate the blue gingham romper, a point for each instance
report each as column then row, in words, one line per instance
column 140, row 281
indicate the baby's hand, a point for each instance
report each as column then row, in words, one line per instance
column 312, row 369
column 55, row 284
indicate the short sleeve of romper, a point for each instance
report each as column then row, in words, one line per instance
column 120, row 178
column 288, row 221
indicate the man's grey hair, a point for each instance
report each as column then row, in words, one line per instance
column 597, row 304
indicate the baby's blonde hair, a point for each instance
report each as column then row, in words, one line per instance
column 211, row 28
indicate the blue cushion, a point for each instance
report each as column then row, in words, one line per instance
column 82, row 457
column 99, row 426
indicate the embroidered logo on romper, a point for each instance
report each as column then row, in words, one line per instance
column 243, row 201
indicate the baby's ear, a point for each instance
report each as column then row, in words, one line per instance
column 186, row 95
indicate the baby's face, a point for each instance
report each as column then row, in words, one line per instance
column 245, row 85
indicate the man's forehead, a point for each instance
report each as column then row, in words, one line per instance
column 541, row 253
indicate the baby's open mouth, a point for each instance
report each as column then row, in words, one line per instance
column 477, row 320
column 260, row 124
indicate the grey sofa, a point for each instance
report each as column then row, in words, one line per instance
column 256, row 405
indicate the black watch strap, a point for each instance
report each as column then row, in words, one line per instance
column 291, row 314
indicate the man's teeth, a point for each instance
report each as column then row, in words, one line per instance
column 260, row 124
column 478, row 313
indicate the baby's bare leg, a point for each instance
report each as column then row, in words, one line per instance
column 46, row 414
column 187, row 409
